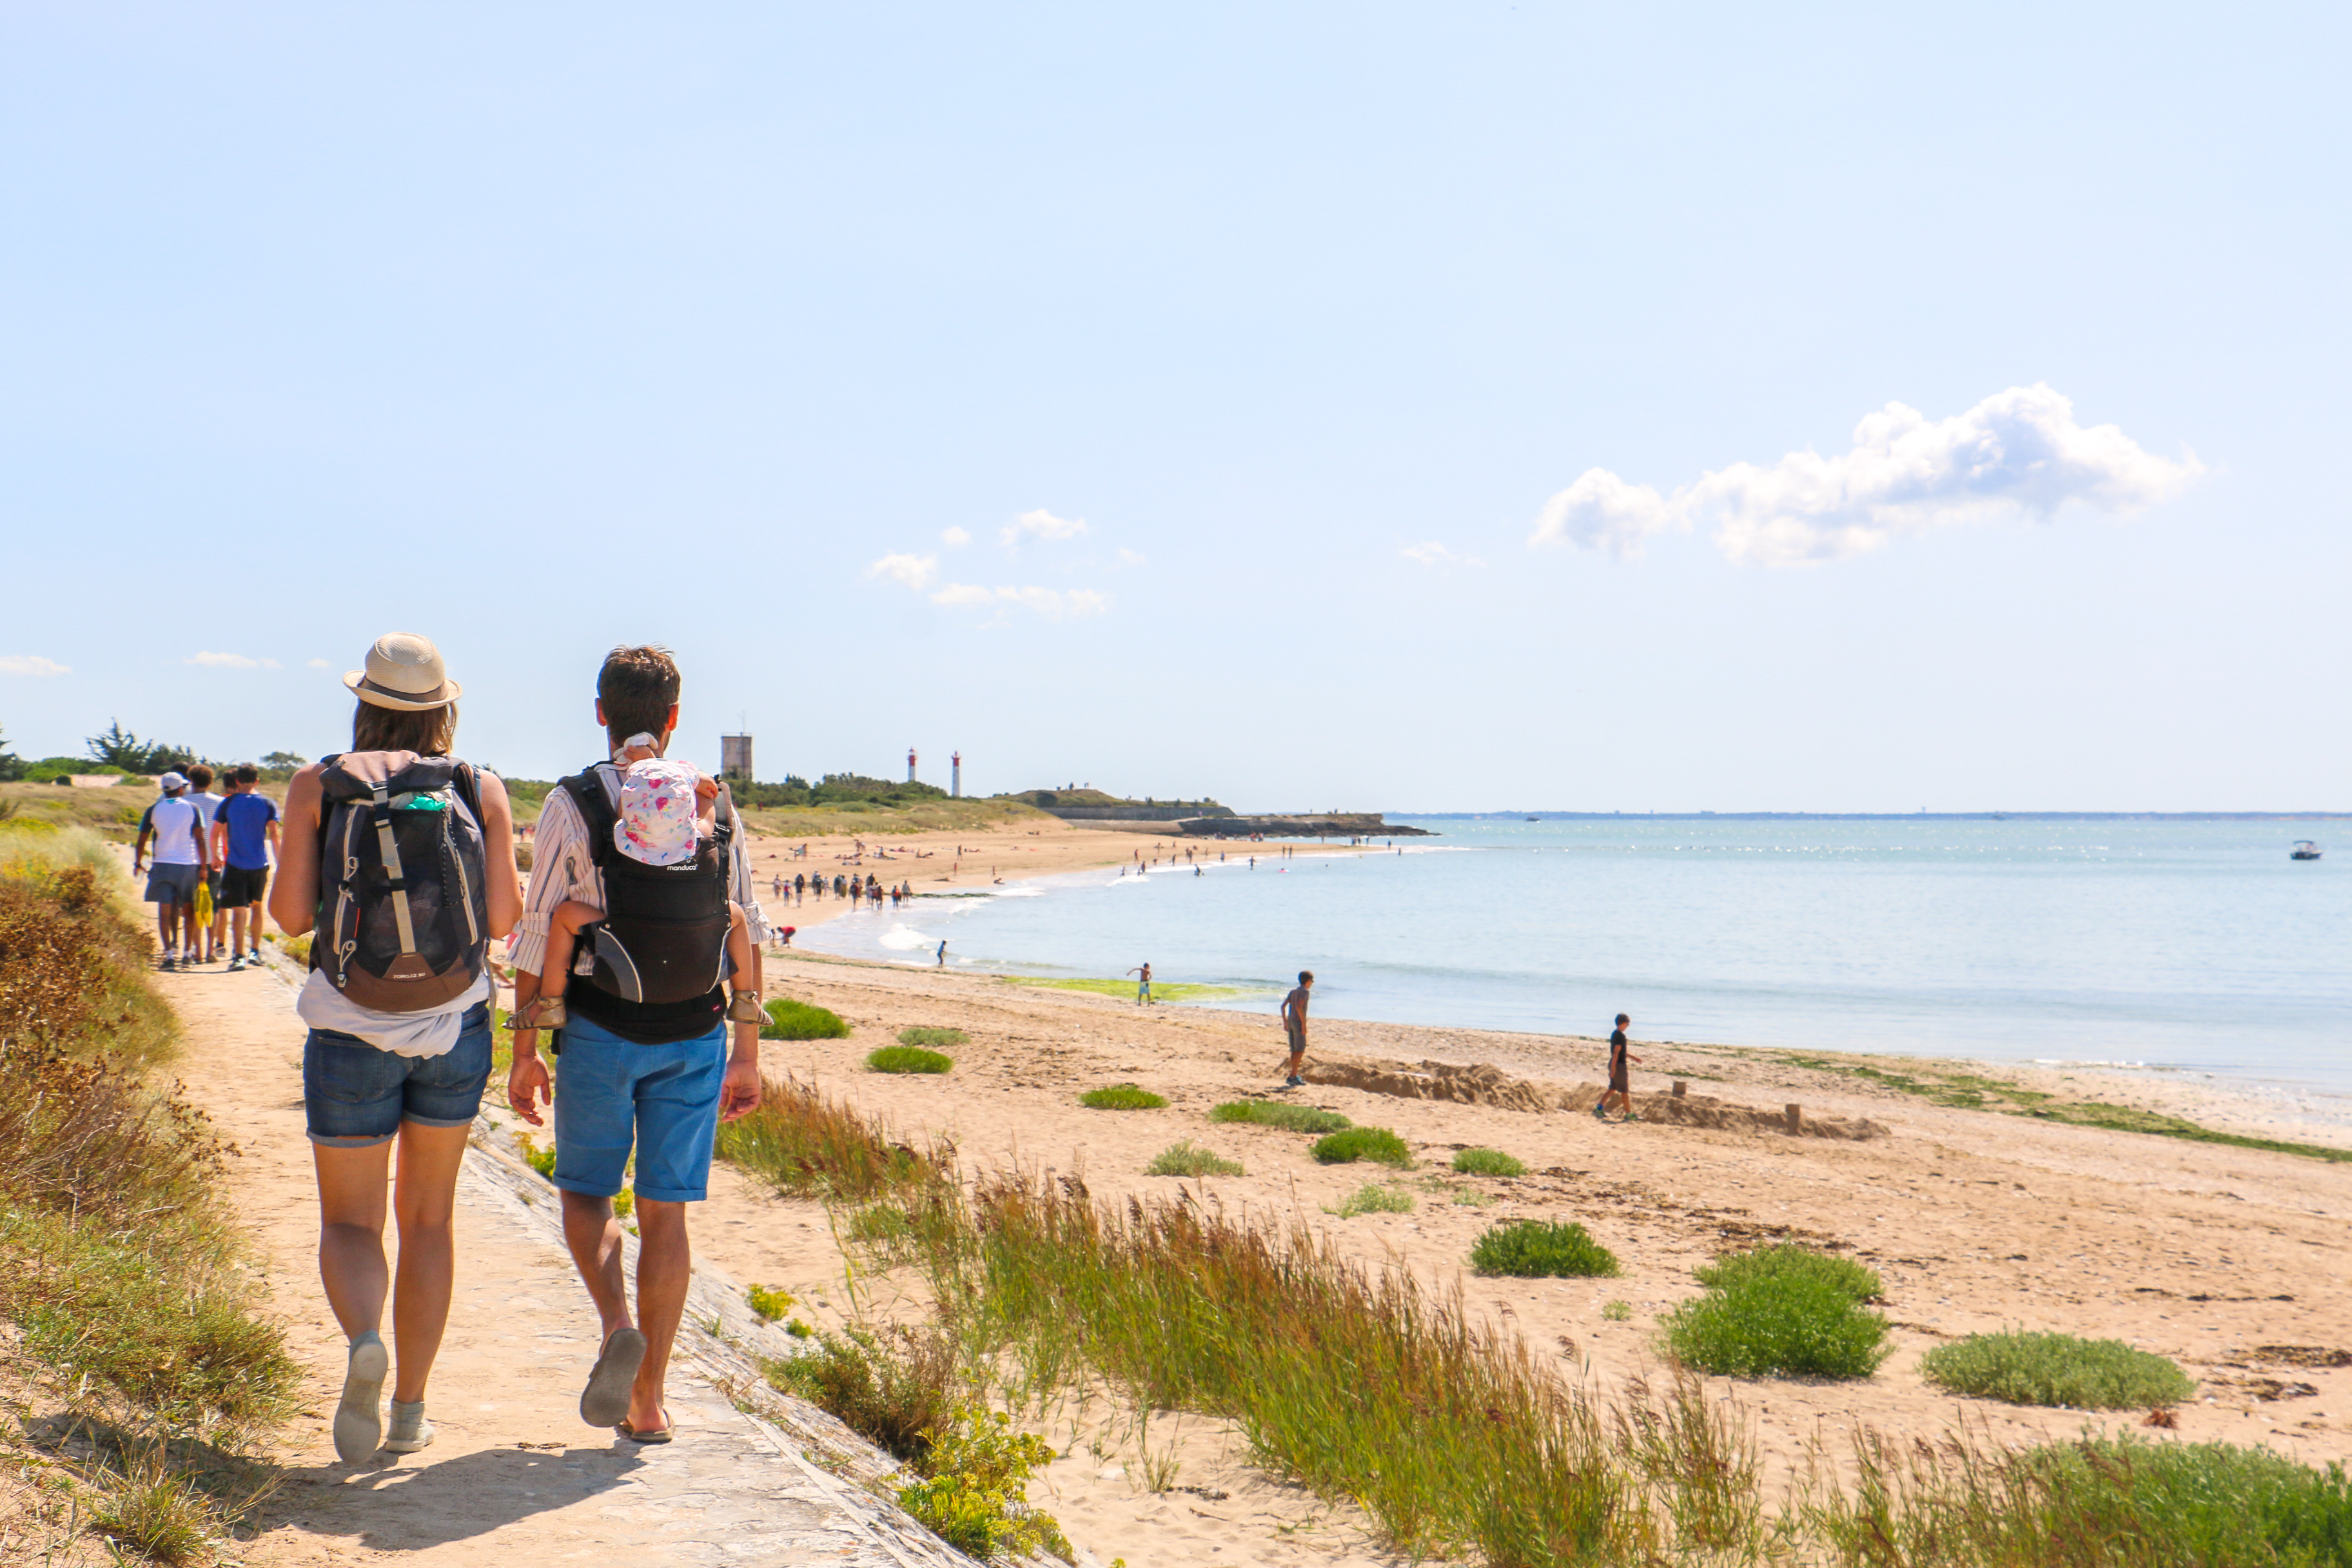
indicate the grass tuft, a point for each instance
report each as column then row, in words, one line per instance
column 1783, row 1321
column 1731, row 1270
column 1542, row 1249
column 894, row 1388
column 908, row 1058
column 1189, row 1159
column 790, row 1020
column 1350, row 1144
column 1122, row 1097
column 162, row 1513
column 1280, row 1114
column 924, row 1035
column 1488, row 1163
column 1373, row 1198
column 2025, row 1368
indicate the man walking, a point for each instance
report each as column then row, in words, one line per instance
column 200, row 796
column 1620, row 1080
column 245, row 830
column 1293, row 1023
column 177, row 827
column 647, row 1059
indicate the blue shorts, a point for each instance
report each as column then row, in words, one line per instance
column 168, row 884
column 354, row 1095
column 612, row 1093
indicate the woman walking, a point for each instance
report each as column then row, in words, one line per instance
column 418, row 877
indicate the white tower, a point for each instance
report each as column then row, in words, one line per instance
column 955, row 775
column 910, row 764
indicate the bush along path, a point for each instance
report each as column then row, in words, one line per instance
column 513, row 1475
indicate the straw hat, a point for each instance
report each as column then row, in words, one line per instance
column 404, row 671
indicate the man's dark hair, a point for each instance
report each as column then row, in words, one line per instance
column 1305, row 975
column 1623, row 1020
column 201, row 776
column 245, row 774
column 637, row 685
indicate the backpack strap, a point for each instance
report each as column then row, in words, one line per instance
column 596, row 815
column 387, row 846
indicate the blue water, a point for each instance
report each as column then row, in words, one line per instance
column 2196, row 945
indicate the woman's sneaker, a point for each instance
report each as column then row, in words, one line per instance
column 410, row 1431
column 359, row 1424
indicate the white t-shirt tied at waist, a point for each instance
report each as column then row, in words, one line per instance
column 428, row 1034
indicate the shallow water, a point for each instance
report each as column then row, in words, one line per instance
column 2194, row 945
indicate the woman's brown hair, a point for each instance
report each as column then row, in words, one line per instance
column 427, row 731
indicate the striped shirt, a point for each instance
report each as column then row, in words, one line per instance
column 562, row 870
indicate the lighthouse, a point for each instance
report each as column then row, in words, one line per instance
column 910, row 764
column 955, row 775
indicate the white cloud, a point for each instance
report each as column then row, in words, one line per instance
column 1054, row 603
column 915, row 571
column 318, row 664
column 31, row 664
column 229, row 661
column 1040, row 525
column 953, row 536
column 2017, row 452
column 1129, row 558
column 1435, row 554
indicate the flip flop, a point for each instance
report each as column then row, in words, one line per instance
column 605, row 1400
column 661, row 1434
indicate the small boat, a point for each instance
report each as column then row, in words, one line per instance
column 1535, row 819
column 2304, row 850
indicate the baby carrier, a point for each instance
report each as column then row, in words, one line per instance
column 402, row 923
column 659, row 955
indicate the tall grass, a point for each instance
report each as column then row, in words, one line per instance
column 72, row 954
column 801, row 1142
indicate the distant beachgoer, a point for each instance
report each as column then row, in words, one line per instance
column 943, row 953
column 181, row 860
column 776, row 886
column 243, row 829
column 1143, row 984
column 1293, row 1025
column 200, row 796
column 800, row 887
column 1619, row 1087
column 788, row 931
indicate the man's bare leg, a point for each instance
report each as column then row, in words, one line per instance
column 665, row 1265
column 594, row 1238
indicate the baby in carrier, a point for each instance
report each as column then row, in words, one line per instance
column 667, row 812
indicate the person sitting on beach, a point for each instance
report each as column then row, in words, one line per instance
column 1619, row 1088
column 1293, row 1025
column 669, row 814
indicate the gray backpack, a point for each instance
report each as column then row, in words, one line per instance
column 404, row 914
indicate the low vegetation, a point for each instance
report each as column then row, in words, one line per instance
column 1373, row 1198
column 790, row 1020
column 1488, row 1163
column 1781, row 1311
column 803, row 1143
column 1162, row 990
column 1350, row 1144
column 72, row 957
column 1542, row 1249
column 907, row 1060
column 1122, row 1097
column 1280, row 1114
column 1189, row 1159
column 936, row 1039
column 2025, row 1368
column 768, row 1304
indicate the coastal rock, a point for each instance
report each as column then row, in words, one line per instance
column 1483, row 1084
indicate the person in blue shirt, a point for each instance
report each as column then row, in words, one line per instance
column 245, row 830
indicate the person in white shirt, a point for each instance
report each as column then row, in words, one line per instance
column 177, row 826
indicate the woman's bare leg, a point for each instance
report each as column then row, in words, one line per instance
column 351, row 1232
column 424, row 1196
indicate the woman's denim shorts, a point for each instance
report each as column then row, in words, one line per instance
column 355, row 1095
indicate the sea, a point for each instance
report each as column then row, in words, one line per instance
column 2190, row 945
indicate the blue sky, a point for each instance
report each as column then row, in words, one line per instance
column 538, row 329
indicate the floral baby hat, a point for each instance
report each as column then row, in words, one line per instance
column 657, row 825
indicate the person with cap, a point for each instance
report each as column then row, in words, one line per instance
column 181, row 861
column 373, row 1077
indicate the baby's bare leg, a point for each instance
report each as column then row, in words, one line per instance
column 739, row 947
column 563, row 935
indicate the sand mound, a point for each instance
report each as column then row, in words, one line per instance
column 1484, row 1085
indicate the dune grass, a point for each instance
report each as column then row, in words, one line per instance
column 1373, row 1198
column 1542, row 1249
column 907, row 1060
column 1122, row 1097
column 1488, row 1163
column 1779, row 1311
column 76, row 953
column 2024, row 1368
column 936, row 1039
column 1189, row 1159
column 1350, row 1144
column 1280, row 1114
column 790, row 1020
column 803, row 1143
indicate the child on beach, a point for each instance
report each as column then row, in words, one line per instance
column 669, row 811
column 1620, row 1088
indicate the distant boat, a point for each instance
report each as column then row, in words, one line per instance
column 2304, row 850
column 1535, row 819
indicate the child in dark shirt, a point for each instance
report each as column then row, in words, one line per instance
column 1619, row 1087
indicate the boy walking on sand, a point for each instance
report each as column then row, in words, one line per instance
column 177, row 826
column 244, row 830
column 1293, row 1025
column 1619, row 1088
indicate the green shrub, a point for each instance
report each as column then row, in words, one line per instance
column 790, row 1020
column 1373, row 1198
column 1617, row 1312
column 975, row 1494
column 767, row 1304
column 1542, row 1249
column 1732, row 1269
column 1488, row 1163
column 896, row 1388
column 922, row 1035
column 1280, row 1114
column 1189, row 1159
column 1786, row 1323
column 2056, row 1369
column 538, row 1159
column 908, row 1058
column 799, row 1329
column 1350, row 1144
column 1122, row 1097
